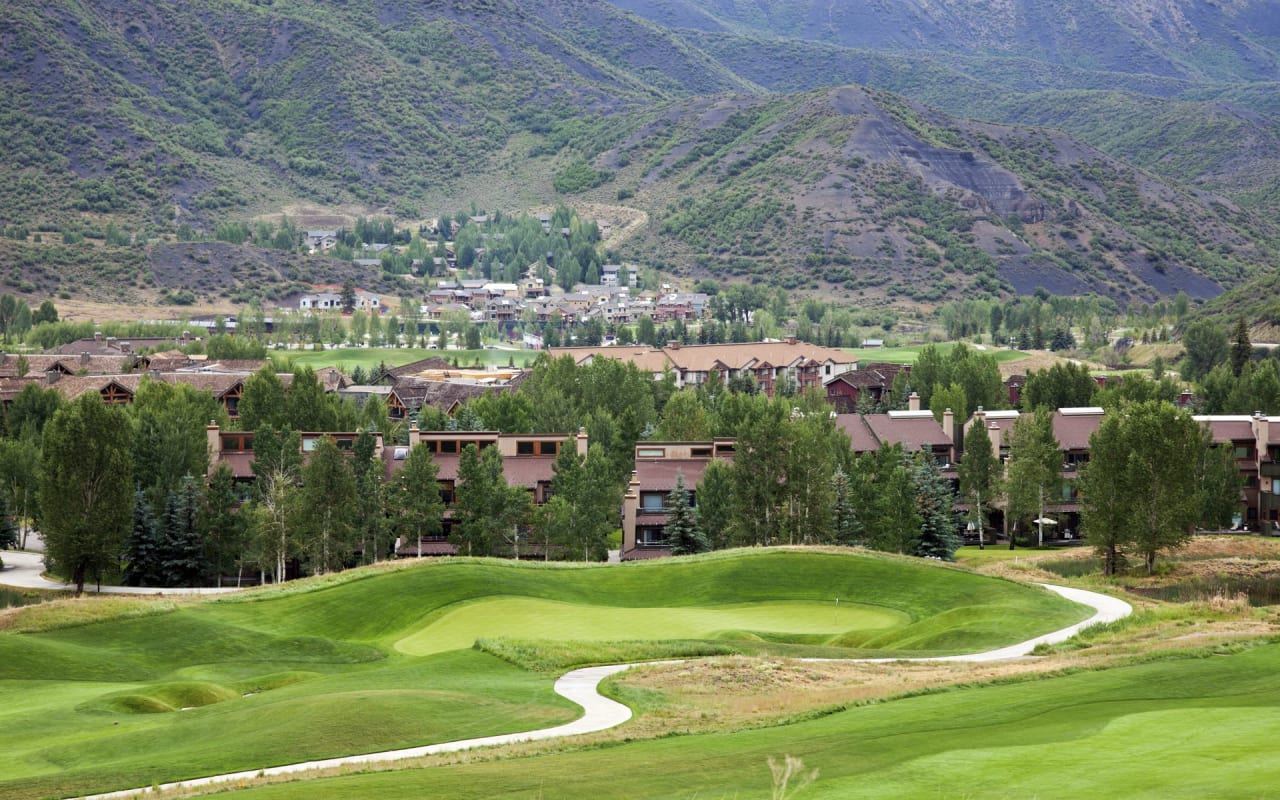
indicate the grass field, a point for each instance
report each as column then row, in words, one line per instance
column 348, row 358
column 1185, row 728
column 312, row 670
column 908, row 355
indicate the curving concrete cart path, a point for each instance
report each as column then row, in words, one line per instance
column 25, row 570
column 600, row 713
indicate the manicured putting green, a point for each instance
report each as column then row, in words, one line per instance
column 531, row 618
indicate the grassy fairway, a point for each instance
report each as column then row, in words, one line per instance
column 312, row 669
column 366, row 357
column 908, row 355
column 1188, row 728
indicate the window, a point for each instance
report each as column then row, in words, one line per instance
column 653, row 502
column 651, row 452
column 651, row 537
column 400, row 453
column 1242, row 451
column 700, row 452
column 448, row 446
column 524, row 448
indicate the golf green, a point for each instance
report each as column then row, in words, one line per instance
column 530, row 618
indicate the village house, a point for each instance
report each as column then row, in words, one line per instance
column 871, row 384
column 610, row 275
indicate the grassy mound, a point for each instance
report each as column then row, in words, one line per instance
column 164, row 697
column 382, row 658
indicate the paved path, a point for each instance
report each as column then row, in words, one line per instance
column 24, row 570
column 600, row 713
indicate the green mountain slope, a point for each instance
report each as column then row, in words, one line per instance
column 1235, row 41
column 161, row 109
column 156, row 113
column 860, row 192
column 1220, row 137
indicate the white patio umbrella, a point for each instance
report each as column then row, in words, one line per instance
column 1044, row 521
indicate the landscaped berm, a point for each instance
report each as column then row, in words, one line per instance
column 149, row 691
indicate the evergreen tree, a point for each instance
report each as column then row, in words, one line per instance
column 182, row 562
column 143, row 553
column 934, row 500
column 845, row 524
column 1241, row 348
column 683, row 533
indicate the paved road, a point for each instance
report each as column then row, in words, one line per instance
column 600, row 713
column 23, row 570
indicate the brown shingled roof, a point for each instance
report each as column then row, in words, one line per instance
column 861, row 438
column 912, row 432
column 1073, row 430
column 659, row 475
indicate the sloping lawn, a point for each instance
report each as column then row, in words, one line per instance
column 312, row 669
column 1187, row 728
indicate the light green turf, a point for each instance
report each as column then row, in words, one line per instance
column 310, row 670
column 348, row 358
column 971, row 554
column 909, row 354
column 545, row 619
column 1201, row 727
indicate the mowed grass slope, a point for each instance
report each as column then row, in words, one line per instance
column 312, row 670
column 1186, row 728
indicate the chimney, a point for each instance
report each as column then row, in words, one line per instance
column 582, row 442
column 84, row 359
column 913, row 402
column 630, row 507
column 993, row 433
column 97, row 337
column 949, row 428
column 51, row 376
column 214, row 437
column 673, row 345
column 186, row 337
column 415, row 436
column 1261, row 433
column 791, row 340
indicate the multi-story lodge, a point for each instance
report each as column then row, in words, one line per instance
column 527, row 460
column 770, row 364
